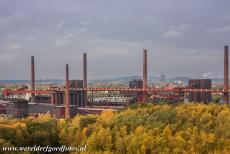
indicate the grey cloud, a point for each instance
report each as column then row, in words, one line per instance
column 172, row 34
column 14, row 47
column 183, row 37
column 219, row 29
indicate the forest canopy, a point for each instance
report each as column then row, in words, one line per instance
column 184, row 128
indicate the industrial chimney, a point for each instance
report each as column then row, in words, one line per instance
column 67, row 93
column 32, row 79
column 145, row 74
column 85, row 77
column 226, row 82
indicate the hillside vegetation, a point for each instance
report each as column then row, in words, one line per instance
column 179, row 129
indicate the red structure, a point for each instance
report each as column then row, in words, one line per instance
column 226, row 82
column 32, row 79
column 8, row 92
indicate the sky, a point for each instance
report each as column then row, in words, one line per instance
column 183, row 37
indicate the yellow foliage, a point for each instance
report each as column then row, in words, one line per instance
column 19, row 124
column 107, row 116
column 14, row 125
column 84, row 132
column 211, row 138
column 139, row 130
column 176, row 129
column 167, row 132
column 44, row 117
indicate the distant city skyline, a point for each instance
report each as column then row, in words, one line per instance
column 183, row 38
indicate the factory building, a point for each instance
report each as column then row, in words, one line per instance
column 111, row 101
column 205, row 97
column 53, row 103
column 14, row 108
column 59, row 111
column 3, row 106
column 43, row 99
column 76, row 97
column 138, row 84
column 35, row 108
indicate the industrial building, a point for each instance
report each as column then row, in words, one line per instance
column 76, row 97
column 14, row 108
column 110, row 101
column 68, row 100
column 3, row 106
column 205, row 97
column 137, row 96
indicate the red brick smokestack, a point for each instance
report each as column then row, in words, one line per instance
column 67, row 93
column 85, row 77
column 226, row 82
column 145, row 74
column 32, row 79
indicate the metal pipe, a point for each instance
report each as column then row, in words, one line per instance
column 145, row 74
column 226, row 81
column 32, row 79
column 67, row 92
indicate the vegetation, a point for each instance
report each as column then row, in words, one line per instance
column 29, row 132
column 216, row 98
column 179, row 129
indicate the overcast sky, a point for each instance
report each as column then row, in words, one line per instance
column 183, row 37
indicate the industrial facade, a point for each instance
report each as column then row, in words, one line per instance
column 16, row 108
column 75, row 97
column 205, row 97
column 137, row 96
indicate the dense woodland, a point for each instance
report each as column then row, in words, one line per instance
column 185, row 128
